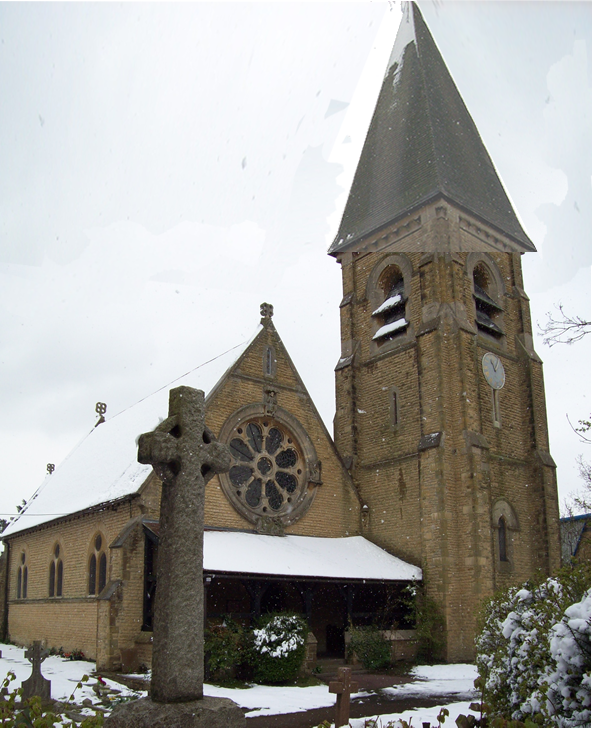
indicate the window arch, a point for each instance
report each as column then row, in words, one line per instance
column 487, row 295
column 505, row 528
column 97, row 566
column 388, row 293
column 56, row 572
column 22, row 577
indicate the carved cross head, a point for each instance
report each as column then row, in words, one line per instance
column 36, row 655
column 182, row 444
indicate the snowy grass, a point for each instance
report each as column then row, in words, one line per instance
column 63, row 674
column 428, row 681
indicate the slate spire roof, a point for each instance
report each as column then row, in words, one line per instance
column 422, row 144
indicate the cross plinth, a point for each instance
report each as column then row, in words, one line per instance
column 343, row 687
column 36, row 684
column 184, row 455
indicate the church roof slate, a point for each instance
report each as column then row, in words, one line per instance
column 422, row 144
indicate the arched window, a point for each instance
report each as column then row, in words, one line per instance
column 487, row 310
column 56, row 573
column 502, row 536
column 505, row 533
column 97, row 567
column 390, row 314
column 22, row 577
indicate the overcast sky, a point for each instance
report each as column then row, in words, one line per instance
column 165, row 168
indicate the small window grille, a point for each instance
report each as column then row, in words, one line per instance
column 395, row 415
column 269, row 362
column 502, row 535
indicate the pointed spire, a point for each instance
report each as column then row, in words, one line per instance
column 422, row 144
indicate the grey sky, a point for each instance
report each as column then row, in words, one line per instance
column 167, row 167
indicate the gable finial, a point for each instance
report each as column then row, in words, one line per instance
column 266, row 312
column 100, row 410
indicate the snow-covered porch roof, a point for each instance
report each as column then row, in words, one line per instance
column 345, row 558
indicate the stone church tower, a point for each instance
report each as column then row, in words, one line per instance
column 441, row 414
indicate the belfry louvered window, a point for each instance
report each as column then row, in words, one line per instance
column 390, row 315
column 487, row 310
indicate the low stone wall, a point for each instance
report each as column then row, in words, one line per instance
column 310, row 657
column 403, row 645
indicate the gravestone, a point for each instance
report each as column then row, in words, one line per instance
column 185, row 455
column 343, row 687
column 36, row 684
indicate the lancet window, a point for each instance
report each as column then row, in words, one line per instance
column 22, row 577
column 97, row 567
column 56, row 573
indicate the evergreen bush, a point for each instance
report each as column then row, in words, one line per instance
column 370, row 646
column 224, row 649
column 427, row 617
column 278, row 648
column 533, row 651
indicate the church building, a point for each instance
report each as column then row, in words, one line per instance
column 439, row 466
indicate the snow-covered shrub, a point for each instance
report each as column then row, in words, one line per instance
column 278, row 649
column 519, row 651
column 568, row 682
column 370, row 646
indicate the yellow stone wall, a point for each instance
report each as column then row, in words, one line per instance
column 433, row 505
column 102, row 626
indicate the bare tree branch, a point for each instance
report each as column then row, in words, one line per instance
column 563, row 329
column 583, row 429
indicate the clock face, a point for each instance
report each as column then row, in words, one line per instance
column 493, row 370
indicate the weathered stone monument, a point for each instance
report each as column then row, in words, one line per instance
column 185, row 455
column 36, row 684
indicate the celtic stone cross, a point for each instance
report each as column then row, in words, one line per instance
column 184, row 455
column 36, row 684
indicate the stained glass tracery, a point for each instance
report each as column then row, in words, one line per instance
column 267, row 466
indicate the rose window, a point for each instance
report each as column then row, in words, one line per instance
column 268, row 471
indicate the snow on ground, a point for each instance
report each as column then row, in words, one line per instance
column 417, row 717
column 429, row 681
column 63, row 674
column 269, row 700
column 445, row 680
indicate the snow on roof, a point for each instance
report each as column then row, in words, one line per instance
column 389, row 328
column 405, row 36
column 390, row 303
column 352, row 558
column 103, row 467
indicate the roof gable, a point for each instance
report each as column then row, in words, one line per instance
column 422, row 144
column 103, row 467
